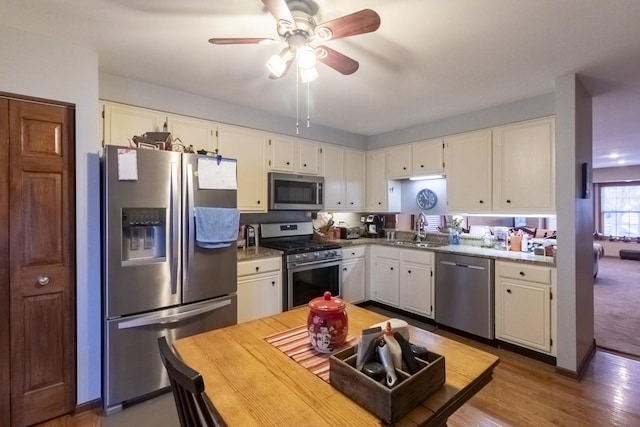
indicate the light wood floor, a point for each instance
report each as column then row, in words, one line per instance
column 523, row 392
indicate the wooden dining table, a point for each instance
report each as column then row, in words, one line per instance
column 253, row 383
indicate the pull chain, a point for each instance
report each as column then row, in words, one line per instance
column 297, row 102
column 308, row 106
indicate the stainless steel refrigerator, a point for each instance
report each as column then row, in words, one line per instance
column 156, row 279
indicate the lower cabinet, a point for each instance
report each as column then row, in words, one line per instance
column 259, row 288
column 353, row 274
column 525, row 308
column 403, row 278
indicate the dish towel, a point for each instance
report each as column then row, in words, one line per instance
column 216, row 227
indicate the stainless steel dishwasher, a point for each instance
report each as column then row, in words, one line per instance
column 464, row 293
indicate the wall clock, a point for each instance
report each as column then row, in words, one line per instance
column 426, row 199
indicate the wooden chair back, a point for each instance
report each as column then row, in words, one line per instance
column 187, row 385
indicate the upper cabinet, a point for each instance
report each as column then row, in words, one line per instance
column 506, row 170
column 415, row 159
column 355, row 166
column 344, row 172
column 122, row 122
column 333, row 172
column 524, row 167
column 468, row 170
column 198, row 133
column 399, row 161
column 427, row 157
column 382, row 195
column 293, row 155
column 249, row 147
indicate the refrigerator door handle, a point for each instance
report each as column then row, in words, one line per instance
column 190, row 219
column 160, row 319
column 175, row 221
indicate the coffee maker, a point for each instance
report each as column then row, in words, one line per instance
column 374, row 226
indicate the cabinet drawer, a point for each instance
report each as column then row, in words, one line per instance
column 531, row 273
column 419, row 256
column 353, row 252
column 259, row 266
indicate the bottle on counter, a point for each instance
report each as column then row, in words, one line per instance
column 525, row 243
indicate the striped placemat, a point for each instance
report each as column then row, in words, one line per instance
column 295, row 344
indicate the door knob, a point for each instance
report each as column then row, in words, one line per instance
column 43, row 280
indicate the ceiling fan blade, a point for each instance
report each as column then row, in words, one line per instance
column 365, row 21
column 279, row 10
column 236, row 40
column 339, row 62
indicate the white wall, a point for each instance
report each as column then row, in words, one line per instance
column 45, row 68
column 141, row 94
column 575, row 224
column 626, row 173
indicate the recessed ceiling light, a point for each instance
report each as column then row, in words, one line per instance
column 622, row 161
column 614, row 155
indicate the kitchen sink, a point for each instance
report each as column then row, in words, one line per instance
column 413, row 244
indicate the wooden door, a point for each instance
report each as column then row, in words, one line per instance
column 5, row 401
column 41, row 261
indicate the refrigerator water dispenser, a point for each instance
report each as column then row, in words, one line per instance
column 143, row 234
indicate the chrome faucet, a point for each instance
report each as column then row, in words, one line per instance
column 421, row 226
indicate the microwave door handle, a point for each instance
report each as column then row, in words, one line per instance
column 175, row 221
column 159, row 319
column 191, row 236
column 319, row 194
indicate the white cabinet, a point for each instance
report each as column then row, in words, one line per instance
column 399, row 161
column 427, row 157
column 249, row 147
column 385, row 275
column 293, row 155
column 333, row 172
column 355, row 179
column 259, row 288
column 524, row 167
column 122, row 122
column 200, row 134
column 416, row 281
column 382, row 195
column 403, row 278
column 353, row 274
column 525, row 309
column 468, row 170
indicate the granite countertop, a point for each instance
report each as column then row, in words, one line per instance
column 471, row 250
column 257, row 252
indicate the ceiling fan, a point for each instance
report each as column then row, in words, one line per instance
column 297, row 28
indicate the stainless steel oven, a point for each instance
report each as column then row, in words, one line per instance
column 310, row 278
column 310, row 267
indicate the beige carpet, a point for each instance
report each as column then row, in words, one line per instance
column 617, row 306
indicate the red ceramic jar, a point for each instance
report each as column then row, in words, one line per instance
column 327, row 323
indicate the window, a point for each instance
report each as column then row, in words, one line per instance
column 620, row 209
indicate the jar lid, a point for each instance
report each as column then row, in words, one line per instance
column 327, row 303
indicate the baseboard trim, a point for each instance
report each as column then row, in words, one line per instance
column 88, row 406
column 582, row 367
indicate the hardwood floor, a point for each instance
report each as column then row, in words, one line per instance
column 523, row 392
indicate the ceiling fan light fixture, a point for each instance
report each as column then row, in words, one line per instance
column 306, row 58
column 277, row 64
column 307, row 75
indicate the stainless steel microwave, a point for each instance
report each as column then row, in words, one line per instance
column 291, row 192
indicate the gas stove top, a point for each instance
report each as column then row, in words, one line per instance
column 296, row 241
column 290, row 246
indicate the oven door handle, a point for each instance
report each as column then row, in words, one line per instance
column 304, row 264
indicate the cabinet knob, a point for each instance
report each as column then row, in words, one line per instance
column 392, row 268
column 288, row 163
column 43, row 280
column 379, row 203
column 508, row 291
column 344, row 269
column 409, row 271
column 522, row 273
column 339, row 203
column 258, row 201
column 305, row 165
column 404, row 168
column 350, row 203
column 508, row 201
column 481, row 201
column 353, row 253
column 257, row 269
column 273, row 283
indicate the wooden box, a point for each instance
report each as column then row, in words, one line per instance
column 390, row 404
